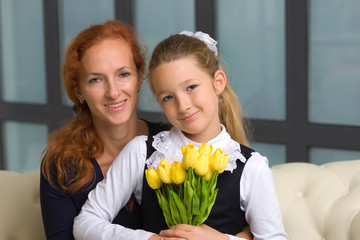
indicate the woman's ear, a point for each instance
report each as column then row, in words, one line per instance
column 219, row 81
column 79, row 96
column 139, row 84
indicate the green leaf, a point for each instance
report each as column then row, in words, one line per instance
column 164, row 205
column 198, row 186
column 181, row 208
column 174, row 210
column 195, row 205
column 212, row 182
column 192, row 179
column 211, row 203
column 204, row 197
column 188, row 196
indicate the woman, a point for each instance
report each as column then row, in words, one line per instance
column 102, row 74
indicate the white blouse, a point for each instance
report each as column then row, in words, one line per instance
column 125, row 176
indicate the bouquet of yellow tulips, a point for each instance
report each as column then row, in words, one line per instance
column 186, row 190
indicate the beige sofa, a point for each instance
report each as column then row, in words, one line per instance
column 317, row 202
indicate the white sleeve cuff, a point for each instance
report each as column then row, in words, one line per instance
column 231, row 237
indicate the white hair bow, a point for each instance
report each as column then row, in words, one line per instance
column 204, row 37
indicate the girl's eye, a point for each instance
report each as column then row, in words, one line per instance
column 167, row 98
column 192, row 87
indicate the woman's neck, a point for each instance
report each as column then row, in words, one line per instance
column 115, row 138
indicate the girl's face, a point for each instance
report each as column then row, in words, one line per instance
column 189, row 97
column 109, row 82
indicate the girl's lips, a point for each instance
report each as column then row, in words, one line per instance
column 190, row 117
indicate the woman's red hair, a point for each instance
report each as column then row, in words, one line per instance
column 71, row 148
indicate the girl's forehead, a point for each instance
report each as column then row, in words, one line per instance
column 176, row 74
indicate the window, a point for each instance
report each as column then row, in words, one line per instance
column 293, row 64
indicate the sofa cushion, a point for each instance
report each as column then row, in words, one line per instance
column 20, row 214
column 319, row 202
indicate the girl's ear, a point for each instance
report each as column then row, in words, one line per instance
column 219, row 81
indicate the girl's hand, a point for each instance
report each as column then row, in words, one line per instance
column 188, row 232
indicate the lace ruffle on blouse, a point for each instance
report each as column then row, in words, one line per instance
column 168, row 145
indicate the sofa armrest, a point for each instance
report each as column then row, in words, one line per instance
column 319, row 202
column 20, row 213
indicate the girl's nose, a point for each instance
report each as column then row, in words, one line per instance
column 184, row 103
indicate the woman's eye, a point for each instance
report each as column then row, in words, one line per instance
column 94, row 80
column 192, row 87
column 167, row 98
column 124, row 74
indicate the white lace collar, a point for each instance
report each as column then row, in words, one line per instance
column 168, row 145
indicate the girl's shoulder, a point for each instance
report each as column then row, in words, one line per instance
column 246, row 151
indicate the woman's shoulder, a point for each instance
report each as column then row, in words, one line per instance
column 156, row 127
column 70, row 173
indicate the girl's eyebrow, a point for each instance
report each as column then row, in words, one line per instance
column 188, row 81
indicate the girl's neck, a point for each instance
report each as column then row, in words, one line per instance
column 205, row 136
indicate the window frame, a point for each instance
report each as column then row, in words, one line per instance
column 296, row 132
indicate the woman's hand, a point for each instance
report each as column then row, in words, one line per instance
column 246, row 233
column 157, row 237
column 188, row 232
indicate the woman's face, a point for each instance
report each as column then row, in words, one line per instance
column 109, row 82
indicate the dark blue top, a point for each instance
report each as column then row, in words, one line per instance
column 225, row 216
column 59, row 209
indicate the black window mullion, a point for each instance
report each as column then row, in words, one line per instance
column 269, row 131
column 333, row 136
column 55, row 111
column 2, row 157
column 123, row 11
column 205, row 16
column 296, row 80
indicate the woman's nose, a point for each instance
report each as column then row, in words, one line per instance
column 112, row 90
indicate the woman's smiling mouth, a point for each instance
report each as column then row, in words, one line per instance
column 114, row 106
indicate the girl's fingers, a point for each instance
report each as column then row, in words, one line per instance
column 178, row 231
column 184, row 227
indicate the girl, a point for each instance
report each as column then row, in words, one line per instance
column 102, row 74
column 186, row 78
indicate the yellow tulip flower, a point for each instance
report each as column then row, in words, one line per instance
column 219, row 161
column 205, row 149
column 202, row 165
column 225, row 163
column 209, row 174
column 164, row 170
column 178, row 173
column 153, row 179
column 190, row 156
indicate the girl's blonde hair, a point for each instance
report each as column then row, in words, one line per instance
column 178, row 46
column 71, row 148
